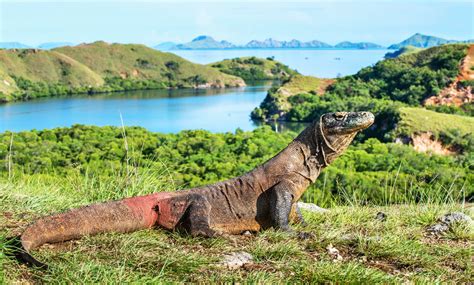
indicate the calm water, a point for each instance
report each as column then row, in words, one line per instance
column 317, row 62
column 157, row 110
column 176, row 110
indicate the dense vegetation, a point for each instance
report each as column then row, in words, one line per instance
column 372, row 172
column 253, row 68
column 408, row 79
column 100, row 67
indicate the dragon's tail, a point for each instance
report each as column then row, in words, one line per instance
column 126, row 215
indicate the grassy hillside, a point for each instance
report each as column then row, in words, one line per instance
column 100, row 67
column 421, row 120
column 277, row 102
column 385, row 89
column 140, row 62
column 402, row 51
column 408, row 79
column 369, row 251
column 48, row 67
column 252, row 68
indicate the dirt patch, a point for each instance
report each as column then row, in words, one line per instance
column 123, row 75
column 323, row 86
column 457, row 94
column 426, row 142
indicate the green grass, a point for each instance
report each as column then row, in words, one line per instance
column 277, row 100
column 43, row 66
column 303, row 84
column 418, row 120
column 394, row 251
column 403, row 51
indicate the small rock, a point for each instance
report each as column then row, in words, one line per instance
column 455, row 217
column 381, row 216
column 333, row 252
column 447, row 221
column 236, row 260
column 304, row 235
column 310, row 207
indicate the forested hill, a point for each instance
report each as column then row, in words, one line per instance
column 413, row 80
column 253, row 68
column 100, row 67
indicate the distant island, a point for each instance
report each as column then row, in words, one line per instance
column 47, row 45
column 423, row 41
column 208, row 42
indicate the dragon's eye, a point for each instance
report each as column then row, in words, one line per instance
column 339, row 116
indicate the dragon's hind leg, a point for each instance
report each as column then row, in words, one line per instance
column 196, row 220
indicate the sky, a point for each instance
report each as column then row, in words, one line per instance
column 151, row 22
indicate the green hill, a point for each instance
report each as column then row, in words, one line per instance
column 419, row 120
column 139, row 62
column 402, row 51
column 100, row 67
column 408, row 79
column 277, row 103
column 253, row 68
column 18, row 66
column 394, row 90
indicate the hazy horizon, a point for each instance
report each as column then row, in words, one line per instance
column 154, row 22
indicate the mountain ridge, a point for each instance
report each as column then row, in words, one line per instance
column 207, row 42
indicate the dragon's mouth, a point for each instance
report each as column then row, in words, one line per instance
column 364, row 120
column 343, row 123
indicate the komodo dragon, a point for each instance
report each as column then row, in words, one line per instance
column 262, row 198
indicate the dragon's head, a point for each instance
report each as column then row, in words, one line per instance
column 339, row 129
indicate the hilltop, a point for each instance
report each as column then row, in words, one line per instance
column 24, row 66
column 252, row 68
column 424, row 41
column 51, row 45
column 402, row 51
column 138, row 62
column 100, row 67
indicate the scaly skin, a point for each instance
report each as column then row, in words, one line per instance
column 265, row 197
